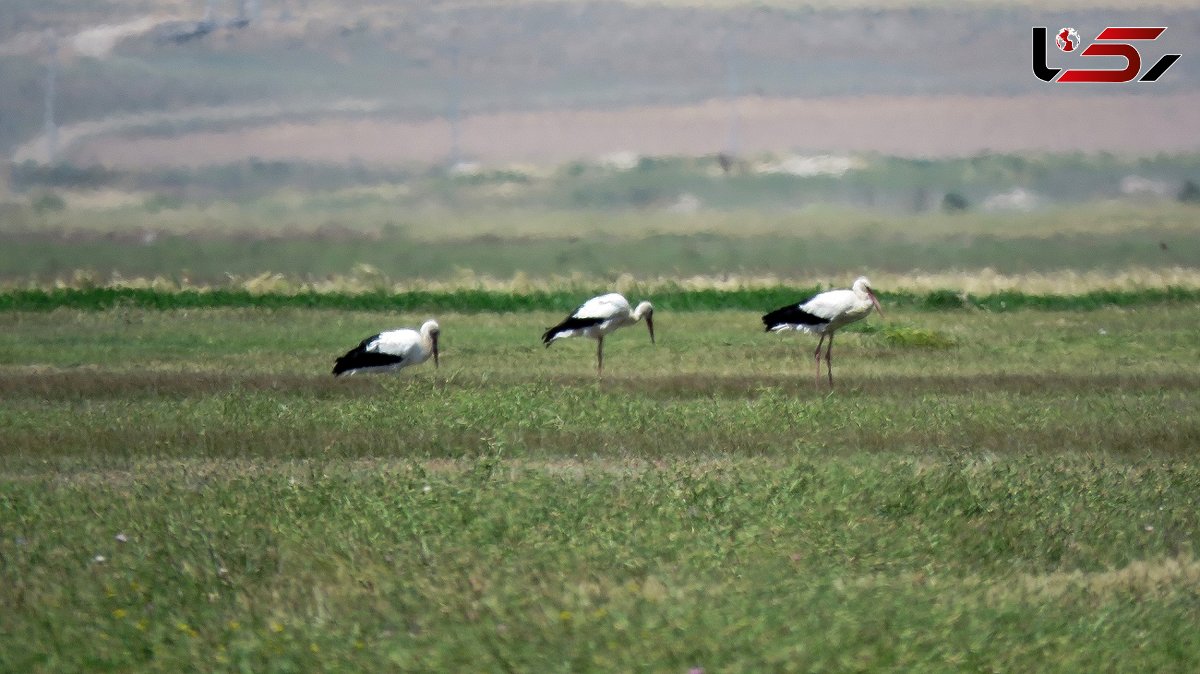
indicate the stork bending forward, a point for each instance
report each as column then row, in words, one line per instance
column 823, row 314
column 391, row 350
column 599, row 316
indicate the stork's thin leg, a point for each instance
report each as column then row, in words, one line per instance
column 829, row 359
column 817, row 358
column 600, row 356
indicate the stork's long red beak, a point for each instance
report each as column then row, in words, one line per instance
column 875, row 302
column 435, row 353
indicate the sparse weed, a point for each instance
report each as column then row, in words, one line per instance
column 907, row 336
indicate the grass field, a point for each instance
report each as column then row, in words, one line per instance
column 208, row 247
column 984, row 490
column 1004, row 478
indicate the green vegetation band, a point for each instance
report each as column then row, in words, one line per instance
column 468, row 301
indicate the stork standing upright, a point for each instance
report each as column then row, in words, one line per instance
column 599, row 316
column 823, row 314
column 391, row 350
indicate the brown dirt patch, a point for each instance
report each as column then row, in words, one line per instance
column 93, row 385
column 911, row 126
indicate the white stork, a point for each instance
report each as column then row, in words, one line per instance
column 823, row 314
column 391, row 350
column 599, row 316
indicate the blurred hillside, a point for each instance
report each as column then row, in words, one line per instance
column 438, row 140
column 382, row 82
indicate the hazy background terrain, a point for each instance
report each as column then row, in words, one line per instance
column 434, row 139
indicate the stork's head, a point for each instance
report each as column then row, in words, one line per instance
column 644, row 310
column 430, row 330
column 862, row 288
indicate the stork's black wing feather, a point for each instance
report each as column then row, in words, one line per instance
column 360, row 357
column 572, row 323
column 792, row 314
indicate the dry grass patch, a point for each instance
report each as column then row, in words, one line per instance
column 1141, row 579
column 365, row 278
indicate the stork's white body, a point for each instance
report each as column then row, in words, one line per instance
column 823, row 314
column 599, row 316
column 391, row 350
column 838, row 308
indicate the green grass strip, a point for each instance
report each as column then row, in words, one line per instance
column 471, row 301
